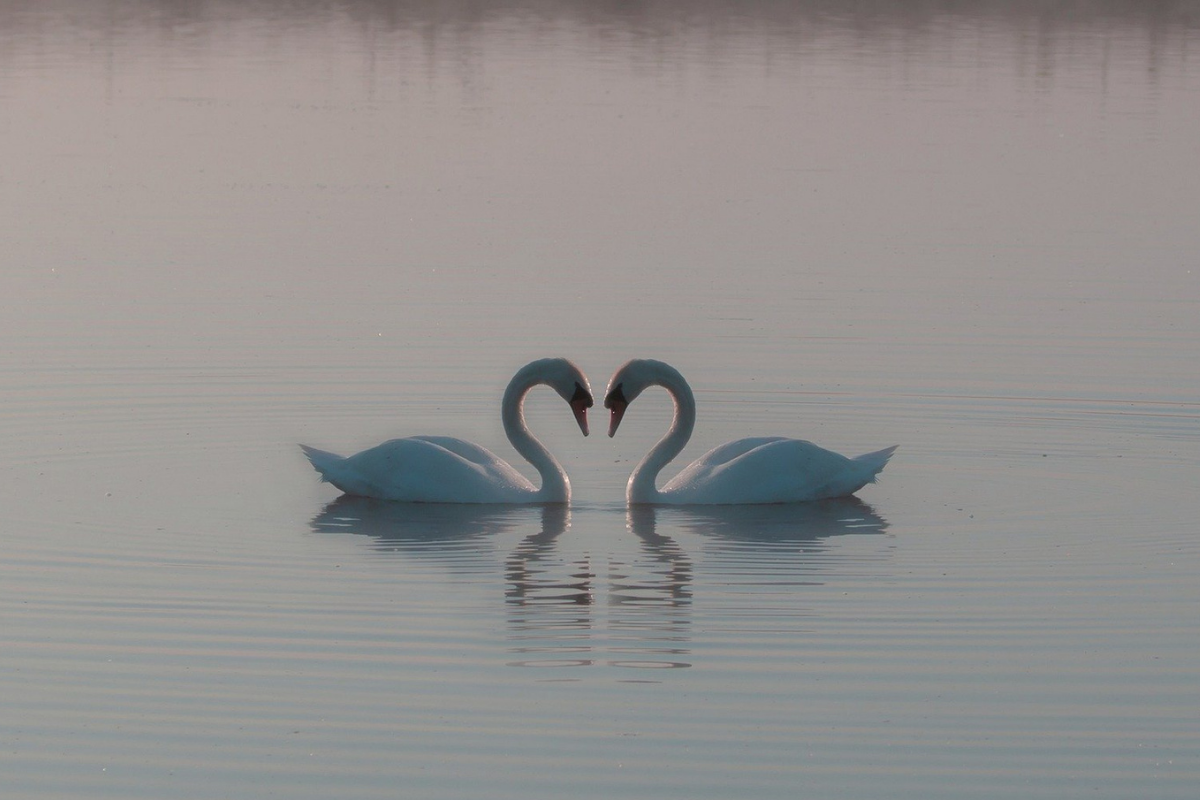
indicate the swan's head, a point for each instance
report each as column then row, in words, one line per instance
column 629, row 381
column 572, row 385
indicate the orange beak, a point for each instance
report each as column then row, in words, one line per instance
column 617, row 408
column 580, row 402
column 580, row 411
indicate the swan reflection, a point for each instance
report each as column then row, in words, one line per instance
column 629, row 606
column 760, row 556
column 800, row 524
column 549, row 599
column 651, row 598
column 446, row 532
column 529, row 571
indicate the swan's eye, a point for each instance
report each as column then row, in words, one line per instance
column 617, row 395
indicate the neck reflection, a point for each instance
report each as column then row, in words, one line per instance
column 555, row 620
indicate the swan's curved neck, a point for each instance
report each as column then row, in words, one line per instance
column 641, row 488
column 555, row 486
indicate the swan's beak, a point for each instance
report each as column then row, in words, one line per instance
column 580, row 402
column 616, row 403
column 580, row 411
column 617, row 409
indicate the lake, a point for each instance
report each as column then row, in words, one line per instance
column 964, row 228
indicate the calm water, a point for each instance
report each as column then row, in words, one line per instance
column 965, row 228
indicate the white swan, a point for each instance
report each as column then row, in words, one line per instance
column 768, row 469
column 442, row 469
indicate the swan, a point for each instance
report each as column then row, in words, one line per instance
column 442, row 469
column 769, row 469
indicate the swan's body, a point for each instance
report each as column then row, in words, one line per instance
column 769, row 469
column 442, row 469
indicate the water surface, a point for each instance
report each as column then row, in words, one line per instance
column 966, row 229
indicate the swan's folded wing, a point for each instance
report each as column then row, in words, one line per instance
column 731, row 450
column 700, row 472
column 460, row 447
column 770, row 470
column 423, row 469
column 491, row 463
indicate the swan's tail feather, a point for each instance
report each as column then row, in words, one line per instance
column 875, row 462
column 323, row 462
